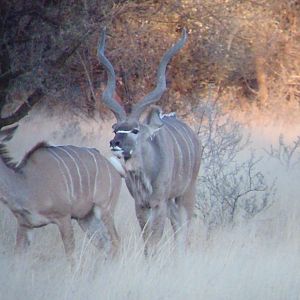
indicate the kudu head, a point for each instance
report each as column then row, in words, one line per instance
column 129, row 131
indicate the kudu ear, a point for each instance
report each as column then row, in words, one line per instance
column 7, row 134
column 153, row 120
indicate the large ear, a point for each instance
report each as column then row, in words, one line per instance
column 153, row 119
column 7, row 134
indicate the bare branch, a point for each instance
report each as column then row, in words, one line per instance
column 68, row 52
column 287, row 154
column 88, row 77
column 229, row 188
column 23, row 110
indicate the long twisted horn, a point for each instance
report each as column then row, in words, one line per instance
column 108, row 94
column 156, row 94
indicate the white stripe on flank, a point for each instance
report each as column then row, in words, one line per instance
column 177, row 145
column 192, row 148
column 187, row 145
column 109, row 175
column 97, row 170
column 84, row 165
column 190, row 171
column 68, row 171
column 59, row 161
column 65, row 149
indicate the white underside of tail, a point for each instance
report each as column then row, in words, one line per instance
column 117, row 165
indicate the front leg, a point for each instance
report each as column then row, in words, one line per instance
column 152, row 223
column 66, row 231
column 181, row 212
column 22, row 239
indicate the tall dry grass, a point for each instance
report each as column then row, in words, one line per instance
column 257, row 259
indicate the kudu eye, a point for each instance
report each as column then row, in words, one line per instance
column 135, row 131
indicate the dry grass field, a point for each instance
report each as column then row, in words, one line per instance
column 241, row 54
column 258, row 259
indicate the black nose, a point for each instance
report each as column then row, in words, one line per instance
column 114, row 143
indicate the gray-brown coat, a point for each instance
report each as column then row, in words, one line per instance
column 161, row 156
column 54, row 184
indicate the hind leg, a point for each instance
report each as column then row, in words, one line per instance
column 174, row 216
column 179, row 222
column 99, row 227
column 180, row 213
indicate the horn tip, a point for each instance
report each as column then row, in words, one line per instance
column 102, row 41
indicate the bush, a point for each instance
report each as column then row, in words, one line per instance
column 230, row 186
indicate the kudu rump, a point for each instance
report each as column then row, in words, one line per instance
column 161, row 156
column 55, row 184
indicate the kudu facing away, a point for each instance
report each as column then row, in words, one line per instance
column 161, row 156
column 55, row 184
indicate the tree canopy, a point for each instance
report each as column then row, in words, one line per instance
column 247, row 50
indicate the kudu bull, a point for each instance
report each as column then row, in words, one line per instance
column 161, row 156
column 54, row 184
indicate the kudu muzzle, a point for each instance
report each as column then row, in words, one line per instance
column 119, row 146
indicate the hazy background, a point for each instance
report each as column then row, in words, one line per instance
column 254, row 259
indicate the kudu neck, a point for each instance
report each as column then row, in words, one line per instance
column 141, row 157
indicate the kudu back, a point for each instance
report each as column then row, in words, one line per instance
column 161, row 156
column 54, row 184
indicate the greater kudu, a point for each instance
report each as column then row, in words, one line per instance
column 54, row 184
column 161, row 156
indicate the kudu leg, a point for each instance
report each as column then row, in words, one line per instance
column 178, row 218
column 152, row 223
column 99, row 227
column 67, row 235
column 180, row 213
column 174, row 216
column 22, row 239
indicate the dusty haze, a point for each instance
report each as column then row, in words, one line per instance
column 258, row 259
